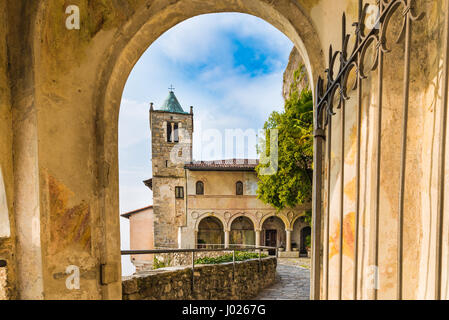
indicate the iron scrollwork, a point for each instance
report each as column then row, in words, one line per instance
column 325, row 94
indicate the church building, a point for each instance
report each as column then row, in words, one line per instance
column 199, row 204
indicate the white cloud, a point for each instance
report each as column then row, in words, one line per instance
column 134, row 123
column 197, row 39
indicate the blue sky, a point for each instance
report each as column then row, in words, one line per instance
column 229, row 66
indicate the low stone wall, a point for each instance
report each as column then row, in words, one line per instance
column 210, row 282
column 3, row 284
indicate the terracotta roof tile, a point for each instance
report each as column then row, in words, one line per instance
column 127, row 214
column 224, row 165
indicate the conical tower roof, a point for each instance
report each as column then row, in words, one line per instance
column 171, row 104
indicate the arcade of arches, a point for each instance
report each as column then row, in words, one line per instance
column 61, row 92
column 270, row 231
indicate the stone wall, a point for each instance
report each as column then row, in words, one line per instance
column 214, row 282
column 3, row 284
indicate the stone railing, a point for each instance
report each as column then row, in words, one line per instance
column 242, row 280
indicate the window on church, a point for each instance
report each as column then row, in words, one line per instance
column 179, row 192
column 169, row 132
column 176, row 133
column 172, row 132
column 239, row 188
column 199, row 187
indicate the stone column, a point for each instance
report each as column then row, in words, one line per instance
column 258, row 237
column 195, row 244
column 288, row 246
column 227, row 232
column 180, row 238
column 172, row 136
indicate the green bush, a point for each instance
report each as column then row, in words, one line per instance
column 308, row 241
column 239, row 256
column 157, row 264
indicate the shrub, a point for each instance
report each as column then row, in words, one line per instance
column 239, row 256
column 157, row 264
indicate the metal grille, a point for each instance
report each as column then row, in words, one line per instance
column 333, row 96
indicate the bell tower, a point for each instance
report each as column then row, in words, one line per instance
column 171, row 145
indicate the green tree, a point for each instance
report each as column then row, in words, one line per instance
column 291, row 184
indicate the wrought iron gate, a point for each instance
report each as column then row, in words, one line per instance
column 333, row 95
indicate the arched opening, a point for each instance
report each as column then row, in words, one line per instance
column 273, row 232
column 239, row 188
column 173, row 113
column 199, row 187
column 143, row 31
column 210, row 233
column 305, row 240
column 242, row 231
column 297, row 239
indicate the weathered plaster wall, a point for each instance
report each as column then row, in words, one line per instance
column 8, row 274
column 422, row 160
column 210, row 282
column 6, row 177
column 220, row 201
column 217, row 183
column 141, row 231
column 421, row 168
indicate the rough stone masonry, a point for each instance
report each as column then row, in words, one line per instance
column 210, row 282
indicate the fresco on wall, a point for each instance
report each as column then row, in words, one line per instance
column 5, row 231
column 242, row 232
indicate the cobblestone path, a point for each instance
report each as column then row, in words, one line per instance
column 292, row 283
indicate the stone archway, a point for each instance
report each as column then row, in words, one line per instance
column 297, row 227
column 305, row 241
column 273, row 232
column 289, row 18
column 242, row 231
column 65, row 166
column 210, row 232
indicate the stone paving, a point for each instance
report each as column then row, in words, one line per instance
column 298, row 262
column 292, row 282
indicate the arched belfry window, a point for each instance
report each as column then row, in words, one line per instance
column 239, row 188
column 199, row 187
column 172, row 132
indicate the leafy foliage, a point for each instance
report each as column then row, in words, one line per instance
column 308, row 241
column 239, row 256
column 308, row 217
column 292, row 183
column 157, row 264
